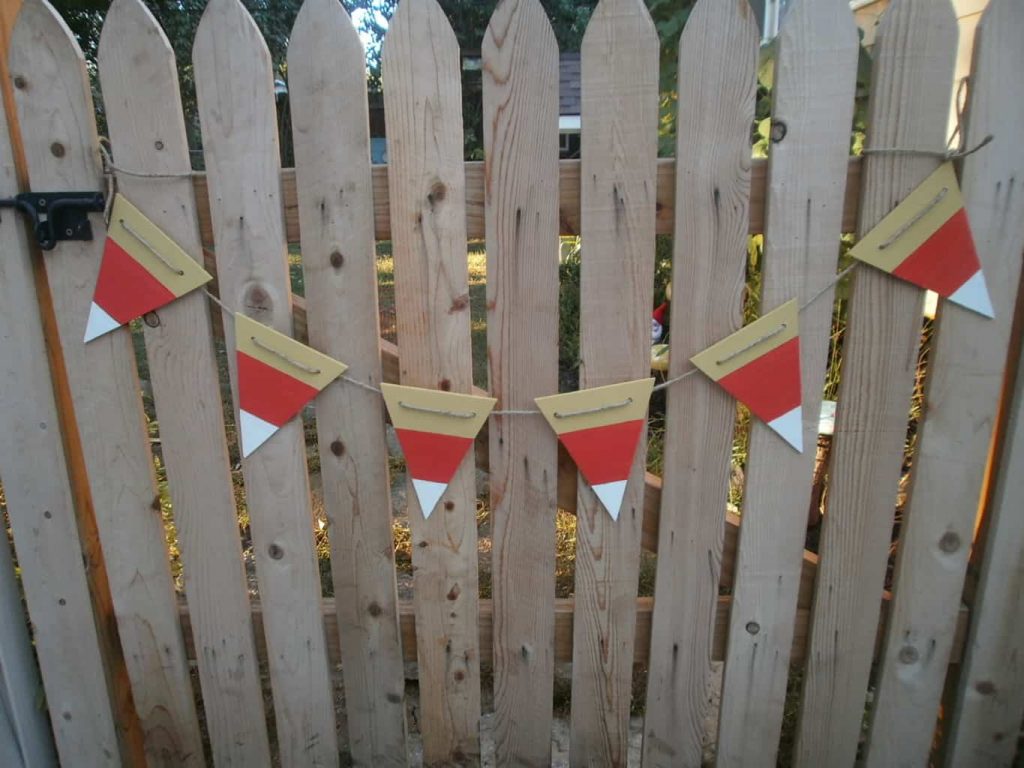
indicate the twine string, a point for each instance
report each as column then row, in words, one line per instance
column 282, row 356
column 909, row 225
column 753, row 344
column 149, row 247
column 437, row 411
column 596, row 409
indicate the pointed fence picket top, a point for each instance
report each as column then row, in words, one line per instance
column 964, row 383
column 717, row 88
column 520, row 102
column 61, row 146
column 619, row 169
column 426, row 178
column 330, row 126
column 911, row 86
column 147, row 131
column 235, row 90
column 814, row 84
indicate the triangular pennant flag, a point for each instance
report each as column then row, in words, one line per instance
column 277, row 376
column 760, row 366
column 926, row 240
column 600, row 428
column 142, row 270
column 435, row 430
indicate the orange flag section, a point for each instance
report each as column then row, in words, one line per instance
column 142, row 270
column 277, row 376
column 926, row 240
column 600, row 428
column 435, row 430
column 760, row 366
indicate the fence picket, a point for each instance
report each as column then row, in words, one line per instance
column 815, row 80
column 521, row 79
column 41, row 511
column 911, row 85
column 967, row 364
column 59, row 131
column 327, row 75
column 147, row 129
column 619, row 156
column 717, row 82
column 423, row 108
column 235, row 90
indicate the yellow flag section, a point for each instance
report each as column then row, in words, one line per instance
column 926, row 240
column 760, row 366
column 435, row 430
column 600, row 428
column 142, row 270
column 277, row 376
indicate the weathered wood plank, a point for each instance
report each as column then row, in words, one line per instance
column 563, row 612
column 717, row 86
column 569, row 200
column 990, row 701
column 422, row 102
column 330, row 121
column 815, row 79
column 619, row 167
column 520, row 101
column 40, row 506
column 147, row 129
column 25, row 736
column 964, row 382
column 235, row 90
column 59, row 131
column 911, row 86
column 128, row 729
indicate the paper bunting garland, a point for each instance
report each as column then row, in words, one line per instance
column 277, row 376
column 926, row 240
column 760, row 366
column 435, row 430
column 142, row 270
column 600, row 428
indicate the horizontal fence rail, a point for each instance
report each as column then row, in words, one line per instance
column 768, row 637
column 568, row 203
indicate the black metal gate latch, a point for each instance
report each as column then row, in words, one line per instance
column 57, row 216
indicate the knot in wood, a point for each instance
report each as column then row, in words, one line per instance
column 57, row 149
column 908, row 654
column 338, row 448
column 985, row 687
column 778, row 131
column 753, row 627
column 437, row 193
column 949, row 542
column 374, row 609
column 152, row 319
column 275, row 551
column 258, row 298
column 337, row 260
column 20, row 82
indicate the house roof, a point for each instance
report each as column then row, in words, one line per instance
column 569, row 101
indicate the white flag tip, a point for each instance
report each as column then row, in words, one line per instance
column 99, row 323
column 253, row 432
column 974, row 296
column 790, row 426
column 611, row 495
column 428, row 493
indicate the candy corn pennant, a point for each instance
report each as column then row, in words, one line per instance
column 760, row 366
column 926, row 240
column 601, row 428
column 435, row 430
column 142, row 270
column 277, row 376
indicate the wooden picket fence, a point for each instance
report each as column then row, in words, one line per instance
column 928, row 671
